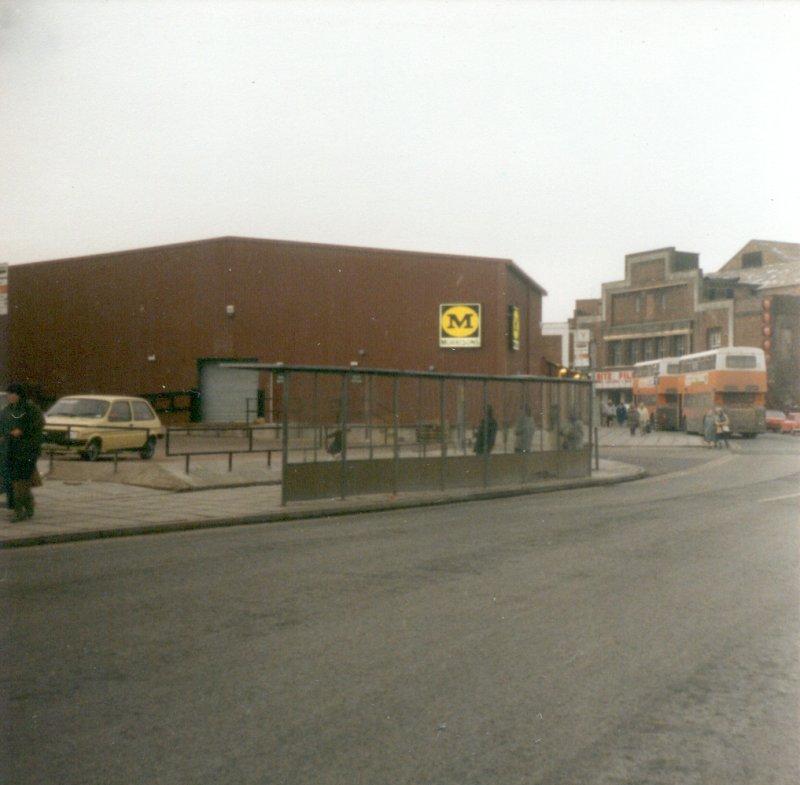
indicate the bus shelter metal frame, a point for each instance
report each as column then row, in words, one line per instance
column 349, row 373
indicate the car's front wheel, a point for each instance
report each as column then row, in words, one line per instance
column 149, row 449
column 92, row 450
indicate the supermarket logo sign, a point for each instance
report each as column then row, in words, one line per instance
column 459, row 325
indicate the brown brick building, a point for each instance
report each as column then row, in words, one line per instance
column 149, row 321
column 667, row 307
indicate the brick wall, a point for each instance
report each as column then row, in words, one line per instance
column 648, row 272
column 652, row 305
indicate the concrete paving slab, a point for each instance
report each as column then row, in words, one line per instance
column 70, row 511
column 616, row 436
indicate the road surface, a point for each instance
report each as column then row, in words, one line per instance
column 641, row 633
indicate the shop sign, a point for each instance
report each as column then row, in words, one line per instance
column 580, row 348
column 459, row 325
column 514, row 327
column 607, row 380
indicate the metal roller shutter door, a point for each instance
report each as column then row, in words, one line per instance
column 225, row 393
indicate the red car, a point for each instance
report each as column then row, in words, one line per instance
column 775, row 420
column 791, row 424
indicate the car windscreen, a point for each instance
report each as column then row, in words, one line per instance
column 78, row 407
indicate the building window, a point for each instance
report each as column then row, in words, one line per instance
column 639, row 302
column 660, row 347
column 662, row 300
column 634, row 354
column 754, row 259
column 678, row 345
column 649, row 349
column 714, row 338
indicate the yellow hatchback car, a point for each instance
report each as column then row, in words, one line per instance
column 95, row 424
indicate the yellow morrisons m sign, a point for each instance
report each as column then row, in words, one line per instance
column 459, row 325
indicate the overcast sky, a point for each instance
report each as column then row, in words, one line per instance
column 562, row 135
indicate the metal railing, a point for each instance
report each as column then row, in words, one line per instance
column 248, row 432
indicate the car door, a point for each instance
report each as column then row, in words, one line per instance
column 145, row 421
column 122, row 436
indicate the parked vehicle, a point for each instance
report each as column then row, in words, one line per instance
column 95, row 424
column 791, row 424
column 775, row 420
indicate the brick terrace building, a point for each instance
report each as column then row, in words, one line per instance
column 667, row 307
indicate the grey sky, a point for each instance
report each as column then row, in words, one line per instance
column 562, row 135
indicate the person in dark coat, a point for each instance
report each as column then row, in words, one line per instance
column 21, row 431
column 633, row 420
column 486, row 433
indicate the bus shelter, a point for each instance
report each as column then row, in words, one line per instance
column 347, row 431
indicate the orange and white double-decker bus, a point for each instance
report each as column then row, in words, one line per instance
column 734, row 378
column 658, row 384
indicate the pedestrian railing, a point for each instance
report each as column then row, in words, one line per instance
column 231, row 439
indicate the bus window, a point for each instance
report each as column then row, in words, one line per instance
column 641, row 371
column 741, row 361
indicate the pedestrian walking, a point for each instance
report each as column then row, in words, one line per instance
column 622, row 413
column 609, row 413
column 644, row 419
column 722, row 426
column 633, row 420
column 709, row 429
column 21, row 431
column 486, row 433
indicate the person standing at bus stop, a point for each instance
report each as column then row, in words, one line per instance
column 21, row 432
column 486, row 433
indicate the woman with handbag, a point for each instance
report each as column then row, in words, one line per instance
column 21, row 430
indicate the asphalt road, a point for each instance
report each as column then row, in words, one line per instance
column 642, row 633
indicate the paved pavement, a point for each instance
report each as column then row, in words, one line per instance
column 90, row 501
column 69, row 510
column 621, row 437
